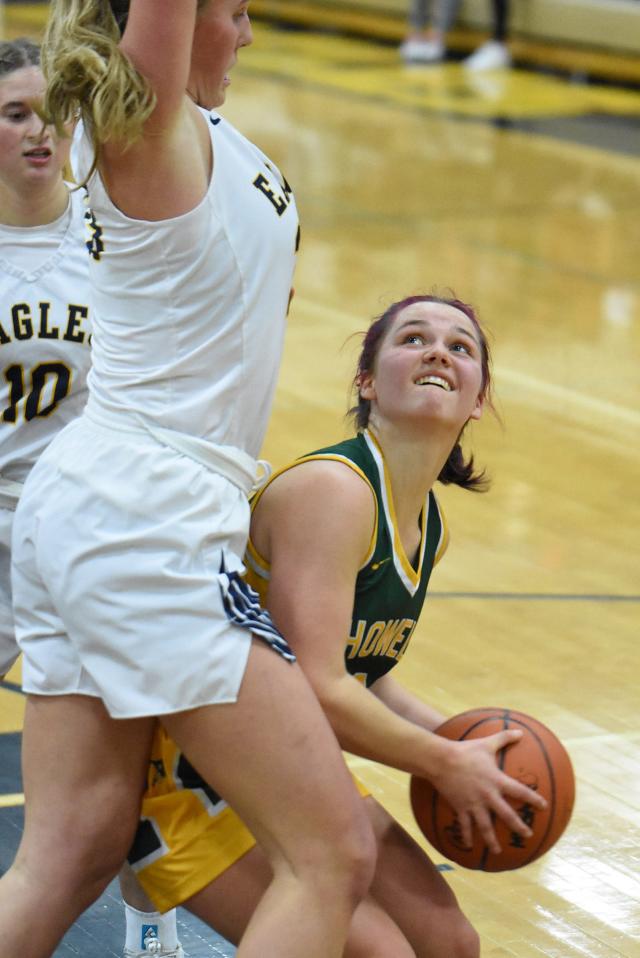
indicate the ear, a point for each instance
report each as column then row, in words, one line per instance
column 477, row 409
column 366, row 386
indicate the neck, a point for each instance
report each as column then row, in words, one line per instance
column 413, row 461
column 34, row 208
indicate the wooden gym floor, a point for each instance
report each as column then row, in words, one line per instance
column 521, row 191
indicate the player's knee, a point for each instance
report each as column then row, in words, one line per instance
column 467, row 943
column 340, row 863
column 95, row 859
column 462, row 941
column 67, row 871
column 357, row 852
column 97, row 837
column 378, row 942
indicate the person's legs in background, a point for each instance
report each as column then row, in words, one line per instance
column 494, row 54
column 425, row 40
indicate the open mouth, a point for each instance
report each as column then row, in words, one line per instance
column 434, row 381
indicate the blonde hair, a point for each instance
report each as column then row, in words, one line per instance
column 89, row 76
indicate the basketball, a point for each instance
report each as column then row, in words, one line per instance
column 539, row 760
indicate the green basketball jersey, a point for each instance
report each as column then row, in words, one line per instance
column 390, row 591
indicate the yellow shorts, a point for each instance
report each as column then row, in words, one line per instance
column 187, row 835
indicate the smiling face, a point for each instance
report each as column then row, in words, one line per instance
column 222, row 28
column 31, row 157
column 428, row 367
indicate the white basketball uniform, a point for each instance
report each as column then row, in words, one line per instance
column 130, row 533
column 45, row 336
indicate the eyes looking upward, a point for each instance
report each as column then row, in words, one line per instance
column 456, row 339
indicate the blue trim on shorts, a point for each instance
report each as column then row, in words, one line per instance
column 242, row 607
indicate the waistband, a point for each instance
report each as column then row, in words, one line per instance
column 231, row 462
column 9, row 493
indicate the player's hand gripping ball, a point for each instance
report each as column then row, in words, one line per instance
column 539, row 760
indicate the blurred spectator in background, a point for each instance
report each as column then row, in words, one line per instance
column 425, row 40
column 493, row 54
column 426, row 37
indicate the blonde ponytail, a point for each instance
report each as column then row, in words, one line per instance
column 88, row 76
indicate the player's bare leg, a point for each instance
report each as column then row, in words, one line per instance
column 409, row 887
column 82, row 773
column 228, row 903
column 287, row 779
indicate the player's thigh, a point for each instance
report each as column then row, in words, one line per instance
column 273, row 756
column 228, row 902
column 83, row 774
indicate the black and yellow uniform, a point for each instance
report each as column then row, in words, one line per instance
column 188, row 835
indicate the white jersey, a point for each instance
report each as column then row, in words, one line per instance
column 45, row 337
column 45, row 333
column 130, row 533
column 190, row 312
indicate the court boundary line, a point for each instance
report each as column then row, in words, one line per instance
column 538, row 596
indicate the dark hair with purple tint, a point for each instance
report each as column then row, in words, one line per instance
column 456, row 470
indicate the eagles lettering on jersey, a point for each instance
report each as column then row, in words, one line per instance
column 29, row 321
column 279, row 200
column 45, row 342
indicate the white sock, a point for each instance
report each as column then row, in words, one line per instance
column 143, row 924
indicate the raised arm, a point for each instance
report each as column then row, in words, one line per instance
column 158, row 40
column 149, row 140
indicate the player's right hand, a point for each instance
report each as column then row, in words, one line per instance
column 471, row 781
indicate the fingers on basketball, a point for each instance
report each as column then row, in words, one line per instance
column 537, row 761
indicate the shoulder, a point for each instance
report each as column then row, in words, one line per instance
column 324, row 478
column 316, row 500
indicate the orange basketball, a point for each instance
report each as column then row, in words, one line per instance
column 539, row 760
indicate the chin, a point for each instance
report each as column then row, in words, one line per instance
column 214, row 100
column 210, row 100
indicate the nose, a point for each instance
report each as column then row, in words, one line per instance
column 36, row 130
column 246, row 37
column 437, row 352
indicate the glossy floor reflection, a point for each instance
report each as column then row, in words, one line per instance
column 521, row 192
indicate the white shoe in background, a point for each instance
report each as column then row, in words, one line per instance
column 421, row 51
column 490, row 56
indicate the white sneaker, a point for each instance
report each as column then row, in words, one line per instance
column 421, row 51
column 490, row 56
column 154, row 948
